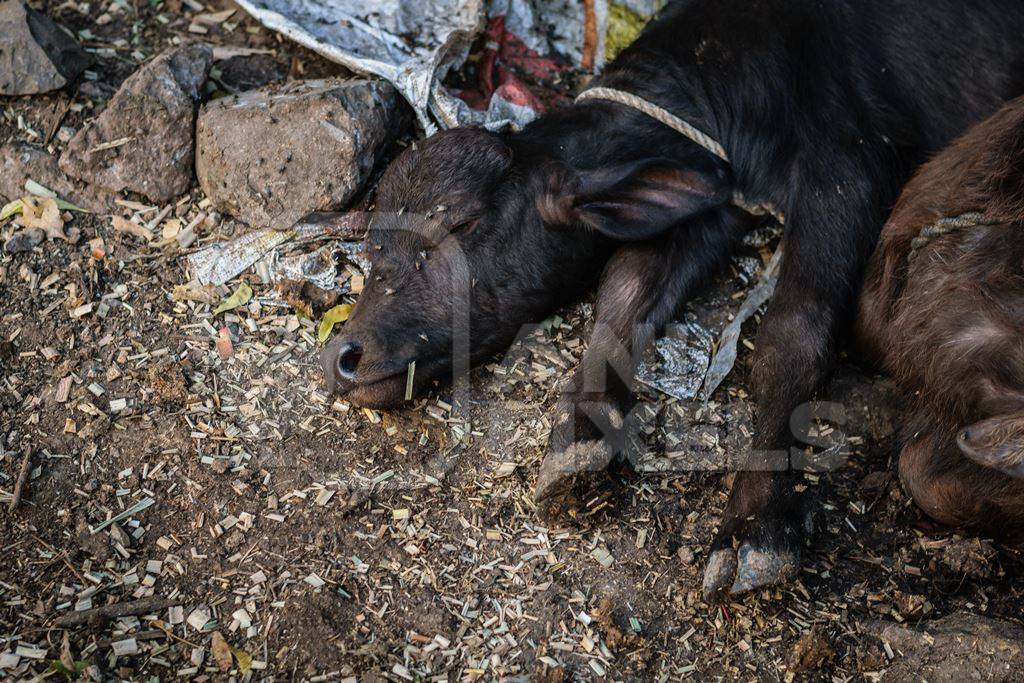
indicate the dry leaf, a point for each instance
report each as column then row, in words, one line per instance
column 221, row 652
column 213, row 18
column 37, row 190
column 193, row 291
column 338, row 314
column 124, row 225
column 43, row 213
column 65, row 653
column 244, row 660
column 239, row 298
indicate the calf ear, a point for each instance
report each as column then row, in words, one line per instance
column 996, row 443
column 637, row 201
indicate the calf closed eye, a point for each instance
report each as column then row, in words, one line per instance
column 464, row 227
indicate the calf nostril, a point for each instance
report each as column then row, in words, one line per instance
column 349, row 356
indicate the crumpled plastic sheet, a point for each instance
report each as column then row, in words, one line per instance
column 319, row 267
column 681, row 360
column 415, row 43
column 411, row 43
column 223, row 261
column 684, row 362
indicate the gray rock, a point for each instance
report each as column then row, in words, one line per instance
column 25, row 240
column 20, row 162
column 155, row 111
column 271, row 156
column 36, row 55
column 248, row 72
column 959, row 647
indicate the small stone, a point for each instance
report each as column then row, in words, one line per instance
column 143, row 140
column 36, row 55
column 25, row 240
column 249, row 72
column 65, row 133
column 271, row 156
column 20, row 162
column 685, row 555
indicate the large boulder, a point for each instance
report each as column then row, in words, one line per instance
column 271, row 156
column 36, row 55
column 960, row 647
column 143, row 141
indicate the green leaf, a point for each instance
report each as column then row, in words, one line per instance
column 338, row 314
column 57, row 666
column 68, row 206
column 241, row 297
column 11, row 209
column 37, row 190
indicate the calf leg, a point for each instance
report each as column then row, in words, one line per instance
column 763, row 528
column 832, row 225
column 642, row 287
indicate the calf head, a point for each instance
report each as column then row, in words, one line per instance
column 475, row 236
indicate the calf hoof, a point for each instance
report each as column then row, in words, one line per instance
column 569, row 475
column 730, row 572
column 761, row 556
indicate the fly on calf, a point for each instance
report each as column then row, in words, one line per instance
column 822, row 108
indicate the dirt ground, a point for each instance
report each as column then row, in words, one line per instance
column 288, row 535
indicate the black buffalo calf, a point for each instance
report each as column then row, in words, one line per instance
column 823, row 109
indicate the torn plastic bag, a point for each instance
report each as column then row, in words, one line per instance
column 415, row 43
column 223, row 261
column 680, row 360
column 686, row 363
column 412, row 43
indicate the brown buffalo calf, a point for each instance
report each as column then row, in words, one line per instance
column 943, row 310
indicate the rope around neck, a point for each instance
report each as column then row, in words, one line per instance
column 944, row 226
column 680, row 126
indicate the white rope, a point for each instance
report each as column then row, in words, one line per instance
column 677, row 124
